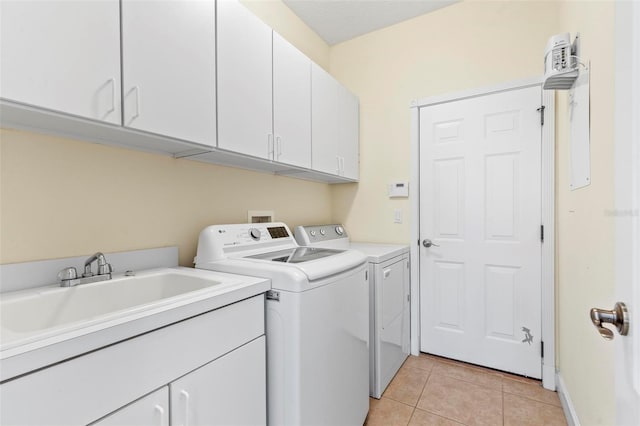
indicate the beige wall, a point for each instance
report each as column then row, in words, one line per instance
column 474, row 44
column 286, row 23
column 65, row 198
column 585, row 243
column 467, row 45
column 61, row 198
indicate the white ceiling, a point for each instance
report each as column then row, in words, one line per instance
column 340, row 20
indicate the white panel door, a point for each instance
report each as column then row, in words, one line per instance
column 168, row 62
column 244, row 81
column 291, row 104
column 63, row 56
column 480, row 202
column 325, row 99
column 228, row 391
column 152, row 409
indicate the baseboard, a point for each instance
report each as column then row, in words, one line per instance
column 567, row 404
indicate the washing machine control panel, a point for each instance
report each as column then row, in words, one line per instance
column 250, row 234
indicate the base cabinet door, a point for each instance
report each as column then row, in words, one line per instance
column 62, row 56
column 150, row 410
column 227, row 391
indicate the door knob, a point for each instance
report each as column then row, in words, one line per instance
column 618, row 316
column 428, row 243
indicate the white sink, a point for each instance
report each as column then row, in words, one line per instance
column 88, row 316
column 33, row 313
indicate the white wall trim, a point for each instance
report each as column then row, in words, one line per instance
column 548, row 246
column 480, row 91
column 548, row 214
column 567, row 405
column 414, row 240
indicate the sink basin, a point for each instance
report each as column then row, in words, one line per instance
column 59, row 306
column 45, row 325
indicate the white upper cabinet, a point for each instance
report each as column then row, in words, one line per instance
column 168, row 63
column 62, row 56
column 335, row 126
column 245, row 118
column 291, row 104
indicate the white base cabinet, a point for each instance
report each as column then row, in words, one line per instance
column 238, row 398
column 152, row 409
column 211, row 365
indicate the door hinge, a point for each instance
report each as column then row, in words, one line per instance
column 541, row 111
column 541, row 349
column 542, row 233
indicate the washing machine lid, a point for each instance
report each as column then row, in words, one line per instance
column 297, row 255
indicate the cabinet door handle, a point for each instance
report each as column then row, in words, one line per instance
column 113, row 95
column 137, row 90
column 160, row 409
column 338, row 159
column 137, row 114
column 270, row 148
column 279, row 144
column 341, row 166
column 387, row 272
column 185, row 394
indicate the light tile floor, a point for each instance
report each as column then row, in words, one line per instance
column 429, row 390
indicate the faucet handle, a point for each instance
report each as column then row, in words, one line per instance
column 67, row 274
column 105, row 269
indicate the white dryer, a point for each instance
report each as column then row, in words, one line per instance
column 389, row 295
column 317, row 320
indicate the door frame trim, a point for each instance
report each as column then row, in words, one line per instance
column 548, row 314
column 627, row 202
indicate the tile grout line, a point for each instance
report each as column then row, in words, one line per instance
column 431, row 412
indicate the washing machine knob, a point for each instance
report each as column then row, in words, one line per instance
column 339, row 230
column 254, row 233
column 322, row 231
column 312, row 233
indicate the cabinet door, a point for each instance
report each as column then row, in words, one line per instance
column 325, row 97
column 349, row 130
column 291, row 104
column 244, row 81
column 168, row 62
column 152, row 409
column 228, row 391
column 62, row 56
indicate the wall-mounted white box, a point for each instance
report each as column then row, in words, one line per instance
column 399, row 190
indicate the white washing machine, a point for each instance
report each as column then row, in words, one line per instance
column 317, row 320
column 389, row 294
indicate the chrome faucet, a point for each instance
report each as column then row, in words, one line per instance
column 68, row 277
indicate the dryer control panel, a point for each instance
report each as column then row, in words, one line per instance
column 308, row 235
